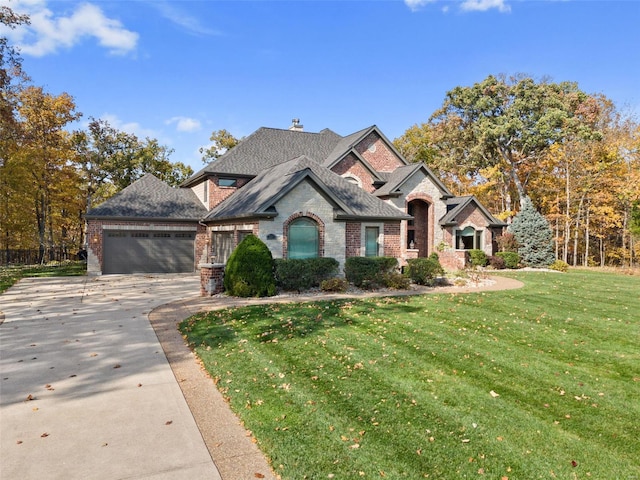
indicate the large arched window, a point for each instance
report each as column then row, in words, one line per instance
column 303, row 241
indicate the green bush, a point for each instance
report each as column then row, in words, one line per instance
column 511, row 259
column 335, row 284
column 249, row 270
column 423, row 271
column 477, row 258
column 303, row 274
column 368, row 272
column 559, row 266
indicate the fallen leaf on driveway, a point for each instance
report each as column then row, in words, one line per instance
column 169, row 422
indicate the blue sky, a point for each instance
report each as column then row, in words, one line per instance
column 178, row 70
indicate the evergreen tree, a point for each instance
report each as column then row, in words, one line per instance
column 533, row 233
column 250, row 270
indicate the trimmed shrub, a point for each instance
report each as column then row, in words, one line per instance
column 249, row 270
column 559, row 266
column 335, row 284
column 303, row 274
column 497, row 262
column 368, row 272
column 477, row 258
column 423, row 271
column 511, row 259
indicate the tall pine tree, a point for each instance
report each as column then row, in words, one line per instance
column 533, row 233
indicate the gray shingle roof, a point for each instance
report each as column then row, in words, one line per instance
column 267, row 147
column 149, row 197
column 402, row 174
column 455, row 205
column 258, row 197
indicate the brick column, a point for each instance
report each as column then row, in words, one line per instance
column 211, row 278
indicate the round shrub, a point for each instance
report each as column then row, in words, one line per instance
column 559, row 266
column 423, row 271
column 249, row 270
column 511, row 259
column 477, row 258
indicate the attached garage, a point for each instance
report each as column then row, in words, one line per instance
column 148, row 251
column 149, row 227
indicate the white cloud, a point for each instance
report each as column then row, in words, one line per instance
column 49, row 32
column 185, row 124
column 182, row 19
column 484, row 5
column 465, row 5
column 415, row 5
column 129, row 127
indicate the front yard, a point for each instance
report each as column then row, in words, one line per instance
column 540, row 382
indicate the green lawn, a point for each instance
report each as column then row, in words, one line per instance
column 540, row 382
column 11, row 274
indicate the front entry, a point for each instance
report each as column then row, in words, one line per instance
column 418, row 229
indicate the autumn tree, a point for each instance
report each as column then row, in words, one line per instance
column 510, row 123
column 222, row 141
column 11, row 74
column 46, row 188
column 111, row 159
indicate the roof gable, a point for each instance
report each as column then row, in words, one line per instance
column 401, row 175
column 151, row 198
column 258, row 197
column 456, row 205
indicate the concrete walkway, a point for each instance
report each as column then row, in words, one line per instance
column 85, row 389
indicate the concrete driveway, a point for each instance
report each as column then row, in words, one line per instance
column 86, row 391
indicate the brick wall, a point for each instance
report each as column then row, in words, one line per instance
column 352, row 239
column 392, row 240
column 351, row 165
column 376, row 152
column 218, row 194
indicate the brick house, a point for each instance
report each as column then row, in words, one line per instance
column 304, row 194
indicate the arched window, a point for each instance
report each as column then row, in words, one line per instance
column 303, row 241
column 468, row 239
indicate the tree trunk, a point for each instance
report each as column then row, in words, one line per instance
column 586, row 238
column 576, row 233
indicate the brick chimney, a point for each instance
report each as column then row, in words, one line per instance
column 296, row 126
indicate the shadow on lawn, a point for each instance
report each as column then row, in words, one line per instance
column 279, row 322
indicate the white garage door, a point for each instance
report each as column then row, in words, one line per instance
column 157, row 251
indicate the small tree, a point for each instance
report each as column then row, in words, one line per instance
column 533, row 233
column 249, row 270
